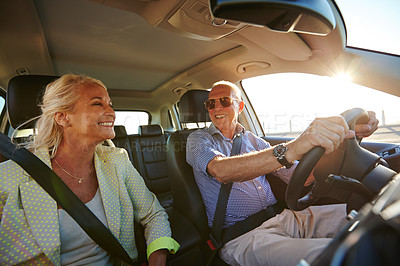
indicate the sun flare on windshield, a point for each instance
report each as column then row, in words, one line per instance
column 343, row 78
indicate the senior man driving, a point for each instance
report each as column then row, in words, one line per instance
column 289, row 236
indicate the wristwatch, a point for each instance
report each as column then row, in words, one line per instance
column 279, row 152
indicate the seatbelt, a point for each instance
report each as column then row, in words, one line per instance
column 219, row 236
column 215, row 241
column 62, row 194
column 249, row 223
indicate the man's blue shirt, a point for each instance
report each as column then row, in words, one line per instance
column 246, row 198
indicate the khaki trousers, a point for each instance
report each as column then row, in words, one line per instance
column 287, row 238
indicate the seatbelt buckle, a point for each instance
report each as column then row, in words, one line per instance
column 214, row 243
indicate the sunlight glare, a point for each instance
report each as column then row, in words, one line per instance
column 343, row 78
column 288, row 102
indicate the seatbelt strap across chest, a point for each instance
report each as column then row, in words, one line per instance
column 219, row 215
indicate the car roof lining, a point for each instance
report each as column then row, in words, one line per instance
column 85, row 37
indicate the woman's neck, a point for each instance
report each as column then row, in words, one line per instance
column 76, row 155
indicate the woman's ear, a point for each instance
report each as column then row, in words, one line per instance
column 62, row 119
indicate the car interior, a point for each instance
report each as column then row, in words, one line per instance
column 161, row 57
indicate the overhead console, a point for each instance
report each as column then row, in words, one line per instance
column 193, row 19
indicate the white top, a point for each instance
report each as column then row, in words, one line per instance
column 77, row 248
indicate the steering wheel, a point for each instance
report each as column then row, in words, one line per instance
column 322, row 186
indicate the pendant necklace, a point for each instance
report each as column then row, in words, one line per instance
column 75, row 177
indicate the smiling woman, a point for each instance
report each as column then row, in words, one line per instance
column 76, row 118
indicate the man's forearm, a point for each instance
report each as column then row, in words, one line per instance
column 243, row 167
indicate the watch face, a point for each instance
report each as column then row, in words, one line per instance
column 279, row 150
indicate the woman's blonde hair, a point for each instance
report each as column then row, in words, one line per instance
column 60, row 96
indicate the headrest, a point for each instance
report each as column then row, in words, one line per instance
column 150, row 130
column 120, row 131
column 191, row 107
column 24, row 94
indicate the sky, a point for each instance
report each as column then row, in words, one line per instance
column 372, row 24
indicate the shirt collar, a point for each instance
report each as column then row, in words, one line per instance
column 214, row 130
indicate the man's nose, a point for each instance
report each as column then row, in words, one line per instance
column 218, row 104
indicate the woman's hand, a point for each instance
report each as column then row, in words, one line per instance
column 158, row 257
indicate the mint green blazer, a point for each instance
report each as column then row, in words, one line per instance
column 29, row 227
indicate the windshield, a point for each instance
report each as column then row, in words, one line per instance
column 372, row 24
column 285, row 116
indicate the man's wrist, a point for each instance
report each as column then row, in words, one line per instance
column 290, row 153
column 279, row 152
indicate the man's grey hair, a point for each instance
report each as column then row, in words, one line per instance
column 233, row 86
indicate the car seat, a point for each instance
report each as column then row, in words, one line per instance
column 25, row 91
column 187, row 197
column 150, row 159
column 186, row 194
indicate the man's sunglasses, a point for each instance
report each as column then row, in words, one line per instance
column 224, row 101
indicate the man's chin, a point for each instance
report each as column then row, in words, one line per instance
column 219, row 124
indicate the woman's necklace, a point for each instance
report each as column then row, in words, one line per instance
column 79, row 178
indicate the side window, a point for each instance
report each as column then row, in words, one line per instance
column 2, row 107
column 287, row 103
column 132, row 120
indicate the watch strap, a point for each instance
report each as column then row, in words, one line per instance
column 284, row 162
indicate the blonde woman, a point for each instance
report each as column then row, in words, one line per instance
column 77, row 116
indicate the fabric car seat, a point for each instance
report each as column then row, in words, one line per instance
column 26, row 91
column 121, row 140
column 186, row 194
column 149, row 154
column 187, row 197
column 150, row 159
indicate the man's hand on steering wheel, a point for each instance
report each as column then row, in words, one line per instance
column 329, row 133
column 324, row 135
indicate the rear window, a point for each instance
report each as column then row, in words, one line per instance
column 132, row 120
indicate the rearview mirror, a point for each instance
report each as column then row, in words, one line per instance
column 302, row 16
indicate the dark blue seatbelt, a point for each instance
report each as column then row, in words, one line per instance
column 215, row 241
